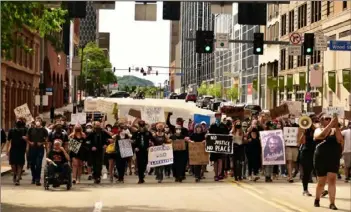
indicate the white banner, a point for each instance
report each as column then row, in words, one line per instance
column 105, row 106
column 74, row 146
column 273, row 147
column 290, row 136
column 153, row 114
column 340, row 111
column 125, row 148
column 23, row 111
column 79, row 118
column 160, row 155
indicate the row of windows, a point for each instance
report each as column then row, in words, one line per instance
column 23, row 58
column 287, row 61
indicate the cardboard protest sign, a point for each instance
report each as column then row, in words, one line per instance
column 290, row 136
column 294, row 107
column 74, row 146
column 279, row 111
column 153, row 114
column 197, row 154
column 236, row 112
column 23, row 111
column 105, row 106
column 135, row 113
column 273, row 147
column 79, row 118
column 179, row 145
column 160, row 155
column 90, row 105
column 125, row 148
column 219, row 143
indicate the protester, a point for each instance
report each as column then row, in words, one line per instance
column 346, row 133
column 159, row 139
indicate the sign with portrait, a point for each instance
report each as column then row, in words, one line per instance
column 197, row 154
column 152, row 114
column 74, row 146
column 216, row 143
column 125, row 148
column 179, row 145
column 273, row 147
column 23, row 111
column 290, row 136
column 160, row 155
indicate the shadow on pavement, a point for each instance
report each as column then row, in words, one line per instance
column 137, row 208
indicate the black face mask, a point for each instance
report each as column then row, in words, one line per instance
column 19, row 124
column 238, row 126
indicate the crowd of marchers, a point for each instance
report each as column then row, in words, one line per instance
column 317, row 153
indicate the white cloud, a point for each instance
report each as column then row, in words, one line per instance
column 136, row 43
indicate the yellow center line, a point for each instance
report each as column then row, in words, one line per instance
column 282, row 202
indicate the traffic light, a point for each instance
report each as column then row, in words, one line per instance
column 156, row 73
column 204, row 42
column 114, row 69
column 308, row 44
column 129, row 69
column 171, row 10
column 258, row 43
column 142, row 71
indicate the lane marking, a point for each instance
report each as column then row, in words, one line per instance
column 282, row 202
column 98, row 206
column 248, row 186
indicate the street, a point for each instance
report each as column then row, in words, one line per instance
column 206, row 196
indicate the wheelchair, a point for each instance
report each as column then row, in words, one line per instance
column 56, row 179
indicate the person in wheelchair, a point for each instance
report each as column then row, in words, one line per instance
column 58, row 162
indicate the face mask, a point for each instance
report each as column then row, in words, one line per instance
column 109, row 129
column 89, row 130
column 178, row 131
column 292, row 121
column 317, row 125
column 19, row 124
column 238, row 126
column 166, row 129
column 218, row 121
column 38, row 124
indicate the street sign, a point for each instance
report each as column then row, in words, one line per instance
column 295, row 38
column 321, row 41
column 49, row 91
column 222, row 40
column 308, row 97
column 294, row 50
column 340, row 45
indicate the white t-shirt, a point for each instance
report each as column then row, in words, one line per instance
column 347, row 140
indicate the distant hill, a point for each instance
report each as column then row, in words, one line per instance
column 130, row 81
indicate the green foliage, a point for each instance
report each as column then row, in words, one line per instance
column 233, row 93
column 133, row 82
column 202, row 90
column 217, row 90
column 16, row 15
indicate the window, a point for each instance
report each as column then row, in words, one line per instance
column 302, row 16
column 332, row 37
column 344, row 5
column 281, row 95
column 282, row 59
column 290, row 62
column 328, row 8
column 316, row 10
column 283, row 25
column 291, row 21
column 301, row 60
column 289, row 97
column 316, row 57
column 344, row 33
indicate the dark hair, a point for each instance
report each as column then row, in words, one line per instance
column 279, row 147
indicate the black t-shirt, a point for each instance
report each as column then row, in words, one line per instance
column 37, row 135
column 197, row 137
column 15, row 136
column 58, row 157
column 159, row 140
column 58, row 135
column 3, row 136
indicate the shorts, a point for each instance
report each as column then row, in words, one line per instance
column 291, row 153
column 347, row 159
column 110, row 156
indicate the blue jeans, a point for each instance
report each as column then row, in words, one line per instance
column 36, row 162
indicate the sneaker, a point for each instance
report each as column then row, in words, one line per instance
column 17, row 183
column 316, row 203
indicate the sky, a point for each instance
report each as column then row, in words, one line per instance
column 136, row 43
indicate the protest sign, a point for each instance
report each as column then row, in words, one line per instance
column 152, row 114
column 160, row 155
column 134, row 113
column 74, row 146
column 290, row 136
column 279, row 111
column 273, row 147
column 23, row 111
column 198, row 118
column 219, row 143
column 179, row 145
column 90, row 105
column 197, row 154
column 105, row 106
column 340, row 111
column 294, row 107
column 79, row 118
column 125, row 148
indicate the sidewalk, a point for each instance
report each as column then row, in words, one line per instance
column 5, row 167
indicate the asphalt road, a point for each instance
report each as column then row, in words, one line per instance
column 206, row 196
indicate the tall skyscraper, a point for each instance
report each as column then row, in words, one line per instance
column 196, row 68
column 89, row 26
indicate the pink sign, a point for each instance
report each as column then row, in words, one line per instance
column 249, row 89
column 316, row 77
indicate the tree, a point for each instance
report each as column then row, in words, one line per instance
column 33, row 15
column 210, row 90
column 233, row 93
column 217, row 90
column 202, row 90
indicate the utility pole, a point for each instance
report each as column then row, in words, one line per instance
column 41, row 84
column 308, row 87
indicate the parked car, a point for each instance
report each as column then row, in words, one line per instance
column 120, row 94
column 205, row 101
column 172, row 95
column 182, row 96
column 198, row 102
column 190, row 97
column 215, row 103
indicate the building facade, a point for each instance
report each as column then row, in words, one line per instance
column 89, row 26
column 196, row 68
column 269, row 61
column 331, row 18
column 20, row 79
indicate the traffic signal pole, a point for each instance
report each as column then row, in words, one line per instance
column 250, row 41
column 308, row 87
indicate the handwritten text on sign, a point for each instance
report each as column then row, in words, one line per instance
column 125, row 148
column 160, row 155
column 179, row 145
column 74, row 146
column 197, row 154
column 153, row 114
column 23, row 111
column 290, row 136
column 219, row 143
